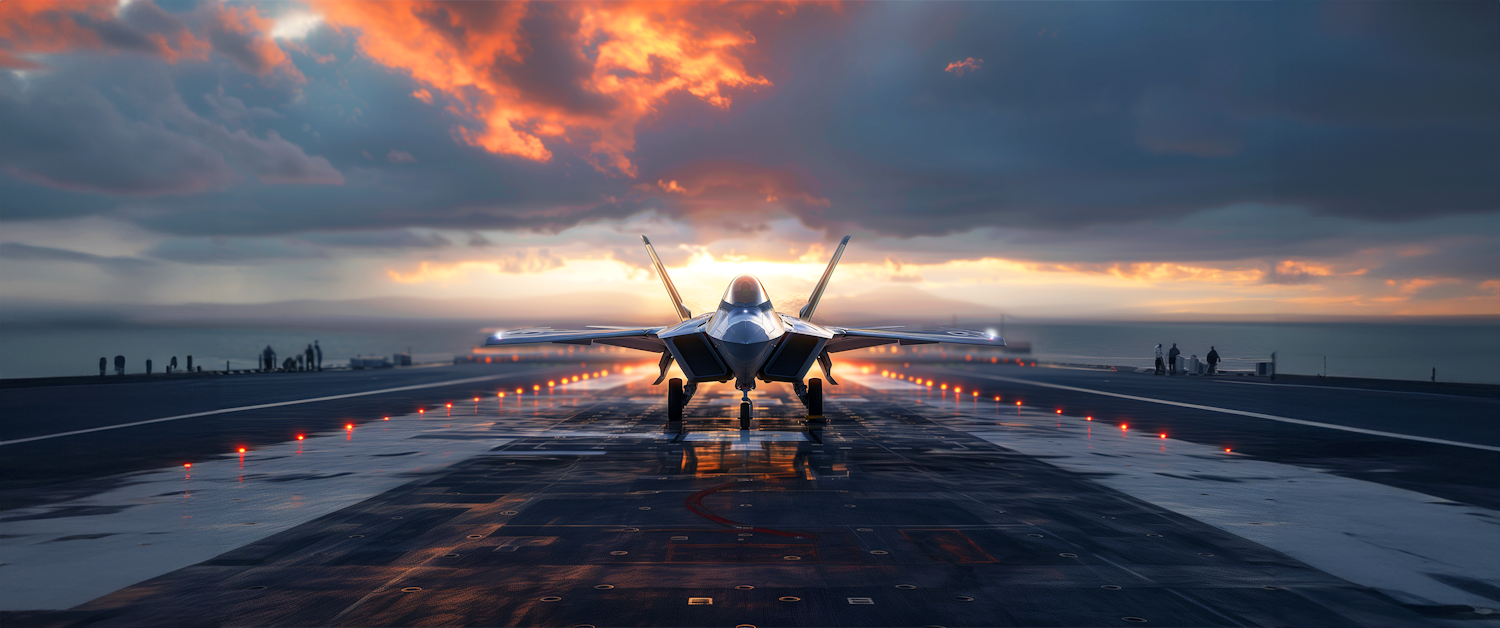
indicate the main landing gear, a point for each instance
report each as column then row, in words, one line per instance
column 678, row 396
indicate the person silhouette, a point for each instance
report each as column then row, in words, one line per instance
column 1172, row 359
column 1161, row 368
column 319, row 351
column 1213, row 359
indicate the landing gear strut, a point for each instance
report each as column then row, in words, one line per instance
column 812, row 397
column 675, row 401
column 745, row 408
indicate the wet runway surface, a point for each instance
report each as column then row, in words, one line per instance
column 908, row 508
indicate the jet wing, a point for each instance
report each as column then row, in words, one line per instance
column 642, row 338
column 849, row 338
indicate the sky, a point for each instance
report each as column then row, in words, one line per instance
column 1106, row 160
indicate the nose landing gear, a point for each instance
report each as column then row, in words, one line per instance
column 745, row 410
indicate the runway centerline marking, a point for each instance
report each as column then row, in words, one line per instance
column 262, row 406
column 1257, row 415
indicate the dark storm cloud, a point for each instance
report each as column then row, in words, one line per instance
column 113, row 127
column 64, row 134
column 113, row 264
column 1082, row 117
column 1129, row 113
column 555, row 71
column 233, row 251
column 396, row 239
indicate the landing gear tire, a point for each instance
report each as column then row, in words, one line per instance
column 814, row 400
column 744, row 415
column 675, row 400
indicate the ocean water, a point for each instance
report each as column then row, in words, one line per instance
column 1461, row 352
column 60, row 350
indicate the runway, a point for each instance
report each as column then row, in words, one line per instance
column 1100, row 499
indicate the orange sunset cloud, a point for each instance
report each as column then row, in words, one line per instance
column 522, row 73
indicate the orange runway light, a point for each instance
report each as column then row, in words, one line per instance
column 943, row 386
column 1018, row 403
column 421, row 410
column 499, row 394
column 1059, row 411
column 300, row 437
column 1088, row 418
column 188, row 465
column 997, row 397
column 603, row 373
column 1162, row 435
column 349, row 426
column 536, row 386
column 976, row 395
column 1226, row 450
column 450, row 405
column 957, row 390
column 929, row 383
column 476, row 399
column 1124, row 426
column 551, row 384
column 242, row 450
column 585, row 375
column 519, row 391
column 386, row 419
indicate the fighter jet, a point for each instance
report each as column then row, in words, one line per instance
column 744, row 340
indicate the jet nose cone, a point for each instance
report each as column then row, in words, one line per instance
column 745, row 332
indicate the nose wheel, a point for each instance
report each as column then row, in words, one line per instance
column 745, row 411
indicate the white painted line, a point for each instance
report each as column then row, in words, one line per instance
column 1379, row 536
column 1257, row 415
column 278, row 404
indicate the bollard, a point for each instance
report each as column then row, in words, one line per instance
column 148, row 366
column 103, row 364
column 190, row 364
column 119, row 365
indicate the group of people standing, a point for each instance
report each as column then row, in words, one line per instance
column 309, row 360
column 1169, row 366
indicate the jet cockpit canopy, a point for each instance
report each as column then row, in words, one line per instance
column 745, row 315
column 745, row 291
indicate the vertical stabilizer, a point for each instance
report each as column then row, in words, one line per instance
column 661, row 271
column 817, row 293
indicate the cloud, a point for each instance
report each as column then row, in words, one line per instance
column 63, row 132
column 526, row 75
column 233, row 251
column 400, row 157
column 736, row 196
column 113, row 264
column 31, row 28
column 242, row 35
column 967, row 65
column 390, row 239
column 458, row 272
